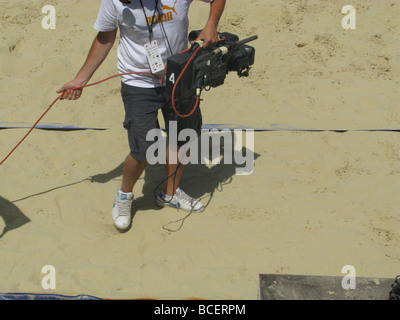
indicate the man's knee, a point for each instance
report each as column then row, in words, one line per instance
column 137, row 162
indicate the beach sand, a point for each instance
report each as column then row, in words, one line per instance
column 315, row 202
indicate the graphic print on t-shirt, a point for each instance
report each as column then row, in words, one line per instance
column 164, row 16
column 169, row 8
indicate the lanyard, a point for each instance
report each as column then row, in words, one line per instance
column 149, row 27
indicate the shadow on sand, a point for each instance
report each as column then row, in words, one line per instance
column 13, row 217
column 199, row 180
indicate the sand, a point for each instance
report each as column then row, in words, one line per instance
column 316, row 200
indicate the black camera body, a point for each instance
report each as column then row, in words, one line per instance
column 209, row 66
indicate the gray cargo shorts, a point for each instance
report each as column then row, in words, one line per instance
column 141, row 115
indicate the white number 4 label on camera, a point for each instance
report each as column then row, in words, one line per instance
column 172, row 78
column 154, row 57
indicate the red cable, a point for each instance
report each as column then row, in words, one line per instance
column 176, row 83
column 52, row 104
column 30, row 129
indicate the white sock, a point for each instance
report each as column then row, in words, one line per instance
column 165, row 197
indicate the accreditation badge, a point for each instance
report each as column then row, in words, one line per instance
column 154, row 57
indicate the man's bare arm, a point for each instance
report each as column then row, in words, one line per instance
column 210, row 34
column 99, row 50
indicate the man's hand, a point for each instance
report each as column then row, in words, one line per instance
column 69, row 92
column 209, row 34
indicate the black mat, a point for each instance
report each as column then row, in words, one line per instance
column 304, row 287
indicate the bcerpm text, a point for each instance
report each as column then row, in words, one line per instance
column 221, row 309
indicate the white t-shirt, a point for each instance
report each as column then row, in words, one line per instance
column 171, row 16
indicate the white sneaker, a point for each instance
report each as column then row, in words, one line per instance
column 121, row 211
column 179, row 200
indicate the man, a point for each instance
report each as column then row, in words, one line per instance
column 148, row 29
